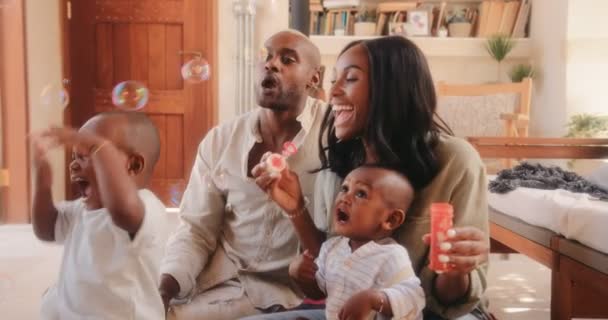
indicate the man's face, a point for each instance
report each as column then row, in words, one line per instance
column 283, row 71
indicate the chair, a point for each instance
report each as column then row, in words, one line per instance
column 515, row 122
column 499, row 110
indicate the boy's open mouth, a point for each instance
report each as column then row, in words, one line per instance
column 342, row 216
column 83, row 186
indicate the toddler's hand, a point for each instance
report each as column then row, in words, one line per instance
column 359, row 306
column 303, row 268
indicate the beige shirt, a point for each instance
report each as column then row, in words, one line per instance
column 229, row 228
column 461, row 181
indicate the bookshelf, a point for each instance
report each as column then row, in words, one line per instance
column 431, row 46
column 479, row 18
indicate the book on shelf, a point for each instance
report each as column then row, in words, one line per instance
column 508, row 17
column 523, row 15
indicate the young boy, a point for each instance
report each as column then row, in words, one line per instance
column 113, row 234
column 363, row 272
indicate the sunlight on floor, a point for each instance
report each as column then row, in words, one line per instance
column 519, row 288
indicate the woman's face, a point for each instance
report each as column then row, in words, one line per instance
column 349, row 93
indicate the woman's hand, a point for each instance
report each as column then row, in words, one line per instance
column 465, row 249
column 283, row 188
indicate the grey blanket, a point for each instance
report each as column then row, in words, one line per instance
column 540, row 177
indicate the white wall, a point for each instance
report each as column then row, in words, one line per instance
column 547, row 31
column 587, row 52
column 271, row 16
column 44, row 66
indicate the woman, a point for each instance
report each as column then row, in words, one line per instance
column 383, row 112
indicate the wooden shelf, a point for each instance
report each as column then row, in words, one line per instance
column 432, row 47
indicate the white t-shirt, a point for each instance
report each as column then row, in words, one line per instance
column 383, row 265
column 104, row 273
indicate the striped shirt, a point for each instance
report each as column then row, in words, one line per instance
column 382, row 265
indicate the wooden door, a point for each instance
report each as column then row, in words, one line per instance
column 116, row 40
column 14, row 169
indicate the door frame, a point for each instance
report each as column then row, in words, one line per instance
column 14, row 199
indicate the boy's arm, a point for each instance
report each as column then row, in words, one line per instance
column 44, row 213
column 118, row 193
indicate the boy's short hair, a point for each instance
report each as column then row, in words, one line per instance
column 138, row 134
column 402, row 185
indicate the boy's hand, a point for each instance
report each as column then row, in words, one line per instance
column 359, row 306
column 303, row 268
column 83, row 142
column 40, row 149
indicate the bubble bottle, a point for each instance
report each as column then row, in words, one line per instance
column 442, row 215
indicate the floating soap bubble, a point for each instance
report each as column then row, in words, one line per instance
column 196, row 70
column 130, row 95
column 54, row 95
column 176, row 195
column 262, row 54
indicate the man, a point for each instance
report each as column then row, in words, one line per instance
column 230, row 255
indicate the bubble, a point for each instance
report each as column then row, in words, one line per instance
column 289, row 148
column 176, row 195
column 54, row 95
column 130, row 95
column 196, row 70
column 262, row 54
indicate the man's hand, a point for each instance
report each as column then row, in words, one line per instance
column 283, row 188
column 168, row 289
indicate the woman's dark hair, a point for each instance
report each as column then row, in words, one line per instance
column 402, row 127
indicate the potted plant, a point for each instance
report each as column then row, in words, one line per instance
column 365, row 23
column 459, row 25
column 521, row 71
column 499, row 46
column 586, row 126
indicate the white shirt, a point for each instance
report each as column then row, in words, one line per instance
column 382, row 265
column 104, row 273
column 229, row 228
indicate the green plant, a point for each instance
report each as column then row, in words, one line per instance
column 587, row 126
column 521, row 71
column 365, row 15
column 499, row 46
